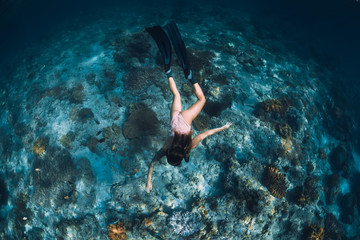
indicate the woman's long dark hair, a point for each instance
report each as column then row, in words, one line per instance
column 180, row 148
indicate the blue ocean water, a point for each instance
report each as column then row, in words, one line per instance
column 85, row 106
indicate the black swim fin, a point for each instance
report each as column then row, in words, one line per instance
column 163, row 44
column 180, row 50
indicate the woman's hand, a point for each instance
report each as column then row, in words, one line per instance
column 226, row 126
column 148, row 187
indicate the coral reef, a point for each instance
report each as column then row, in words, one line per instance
column 275, row 182
column 117, row 231
column 185, row 223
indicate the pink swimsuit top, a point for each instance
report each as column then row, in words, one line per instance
column 179, row 125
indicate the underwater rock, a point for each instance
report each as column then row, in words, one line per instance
column 4, row 194
column 255, row 200
column 341, row 161
column 333, row 230
column 294, row 119
column 307, row 194
column 332, row 187
column 215, row 108
column 264, row 141
column 337, row 120
column 201, row 63
column 275, row 182
column 220, row 79
column 39, row 146
column 20, row 129
column 314, row 232
column 141, row 122
column 67, row 140
column 112, row 132
column 46, row 174
column 6, row 145
column 284, row 130
column 91, row 143
column 347, row 204
column 131, row 46
column 322, row 154
column 57, row 92
column 250, row 60
column 201, row 122
column 138, row 78
column 23, row 215
column 90, row 78
column 185, row 223
column 117, row 231
column 223, row 153
column 81, row 115
column 84, row 227
column 76, row 94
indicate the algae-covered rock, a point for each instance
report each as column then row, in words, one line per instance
column 138, row 78
column 308, row 193
column 81, row 115
column 215, row 108
column 284, row 130
column 67, row 140
column 141, row 122
column 76, row 94
column 112, row 132
column 91, row 143
column 201, row 122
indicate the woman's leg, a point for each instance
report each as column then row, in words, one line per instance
column 190, row 114
column 176, row 105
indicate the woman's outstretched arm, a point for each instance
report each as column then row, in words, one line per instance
column 207, row 133
column 156, row 158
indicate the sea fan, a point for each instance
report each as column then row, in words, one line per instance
column 185, row 223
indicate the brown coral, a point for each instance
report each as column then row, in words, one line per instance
column 39, row 146
column 117, row 231
column 275, row 182
column 272, row 106
column 315, row 232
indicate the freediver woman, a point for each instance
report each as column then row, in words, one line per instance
column 179, row 144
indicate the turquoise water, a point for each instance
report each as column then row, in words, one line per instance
column 85, row 106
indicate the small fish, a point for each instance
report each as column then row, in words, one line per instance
column 101, row 140
column 66, row 197
column 42, row 68
column 24, row 218
column 98, row 133
column 37, row 169
column 97, row 122
column 113, row 147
